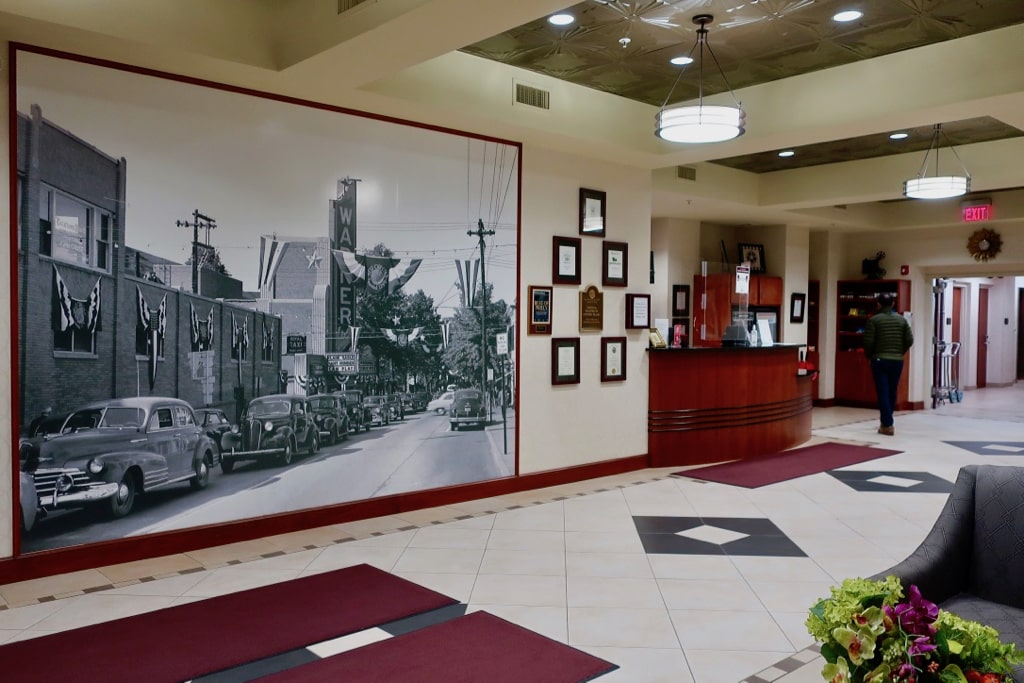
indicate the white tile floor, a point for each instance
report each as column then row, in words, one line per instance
column 574, row 569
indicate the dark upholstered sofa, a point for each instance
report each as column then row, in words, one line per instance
column 972, row 561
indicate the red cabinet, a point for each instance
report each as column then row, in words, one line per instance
column 719, row 297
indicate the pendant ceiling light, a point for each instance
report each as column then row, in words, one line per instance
column 700, row 122
column 937, row 186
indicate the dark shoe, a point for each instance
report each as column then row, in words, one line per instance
column 888, row 431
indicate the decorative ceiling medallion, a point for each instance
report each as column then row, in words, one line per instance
column 984, row 244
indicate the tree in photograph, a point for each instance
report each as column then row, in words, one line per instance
column 463, row 356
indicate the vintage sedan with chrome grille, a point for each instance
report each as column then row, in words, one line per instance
column 273, row 428
column 108, row 452
column 467, row 409
column 331, row 417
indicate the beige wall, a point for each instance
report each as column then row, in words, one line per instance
column 589, row 422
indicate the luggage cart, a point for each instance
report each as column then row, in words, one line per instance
column 948, row 387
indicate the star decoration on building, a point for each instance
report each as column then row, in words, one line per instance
column 396, row 319
column 314, row 260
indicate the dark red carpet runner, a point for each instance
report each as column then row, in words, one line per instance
column 470, row 649
column 770, row 469
column 179, row 643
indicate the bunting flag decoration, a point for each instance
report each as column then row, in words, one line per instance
column 150, row 329
column 467, row 280
column 373, row 272
column 202, row 331
column 354, row 331
column 271, row 253
column 402, row 337
column 444, row 335
column 268, row 341
column 72, row 313
column 239, row 337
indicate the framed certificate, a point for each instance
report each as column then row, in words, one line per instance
column 565, row 360
column 540, row 310
column 638, row 311
column 796, row 307
column 592, row 204
column 680, row 301
column 614, row 264
column 565, row 260
column 613, row 359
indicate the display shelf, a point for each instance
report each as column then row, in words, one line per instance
column 857, row 301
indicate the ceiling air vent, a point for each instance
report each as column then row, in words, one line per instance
column 532, row 97
column 686, row 172
column 346, row 5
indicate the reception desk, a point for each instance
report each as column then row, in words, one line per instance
column 714, row 404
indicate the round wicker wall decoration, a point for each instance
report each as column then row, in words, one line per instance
column 984, row 244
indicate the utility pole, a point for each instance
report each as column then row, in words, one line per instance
column 480, row 233
column 207, row 224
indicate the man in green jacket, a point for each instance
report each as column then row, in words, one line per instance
column 887, row 338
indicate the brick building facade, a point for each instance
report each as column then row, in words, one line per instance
column 87, row 323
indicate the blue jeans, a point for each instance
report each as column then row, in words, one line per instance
column 887, row 380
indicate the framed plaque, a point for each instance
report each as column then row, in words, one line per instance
column 614, row 264
column 797, row 301
column 565, row 260
column 613, row 359
column 540, row 310
column 565, row 360
column 657, row 340
column 638, row 311
column 754, row 255
column 592, row 203
column 591, row 310
column 680, row 301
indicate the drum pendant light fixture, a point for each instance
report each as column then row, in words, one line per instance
column 937, row 186
column 700, row 122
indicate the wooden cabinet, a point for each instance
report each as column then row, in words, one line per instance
column 857, row 301
column 719, row 296
column 766, row 290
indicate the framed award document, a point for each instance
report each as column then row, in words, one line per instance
column 565, row 360
column 540, row 310
column 613, row 359
column 638, row 311
column 614, row 266
column 592, row 203
column 565, row 260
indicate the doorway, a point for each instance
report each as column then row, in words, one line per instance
column 982, row 360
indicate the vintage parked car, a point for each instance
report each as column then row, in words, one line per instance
column 420, row 400
column 331, row 417
column 28, row 500
column 272, row 428
column 358, row 415
column 380, row 413
column 216, row 424
column 408, row 403
column 109, row 452
column 396, row 406
column 467, row 409
column 442, row 403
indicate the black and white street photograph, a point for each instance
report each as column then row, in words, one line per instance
column 232, row 306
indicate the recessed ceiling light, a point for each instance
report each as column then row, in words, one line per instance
column 561, row 19
column 899, row 136
column 786, row 153
column 847, row 15
column 681, row 61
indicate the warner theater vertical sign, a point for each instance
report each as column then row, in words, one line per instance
column 343, row 238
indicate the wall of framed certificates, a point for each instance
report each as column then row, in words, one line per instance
column 567, row 265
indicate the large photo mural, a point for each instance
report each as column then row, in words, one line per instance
column 233, row 306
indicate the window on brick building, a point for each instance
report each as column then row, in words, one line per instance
column 73, row 231
column 74, row 340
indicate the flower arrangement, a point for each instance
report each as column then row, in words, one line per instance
column 870, row 634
